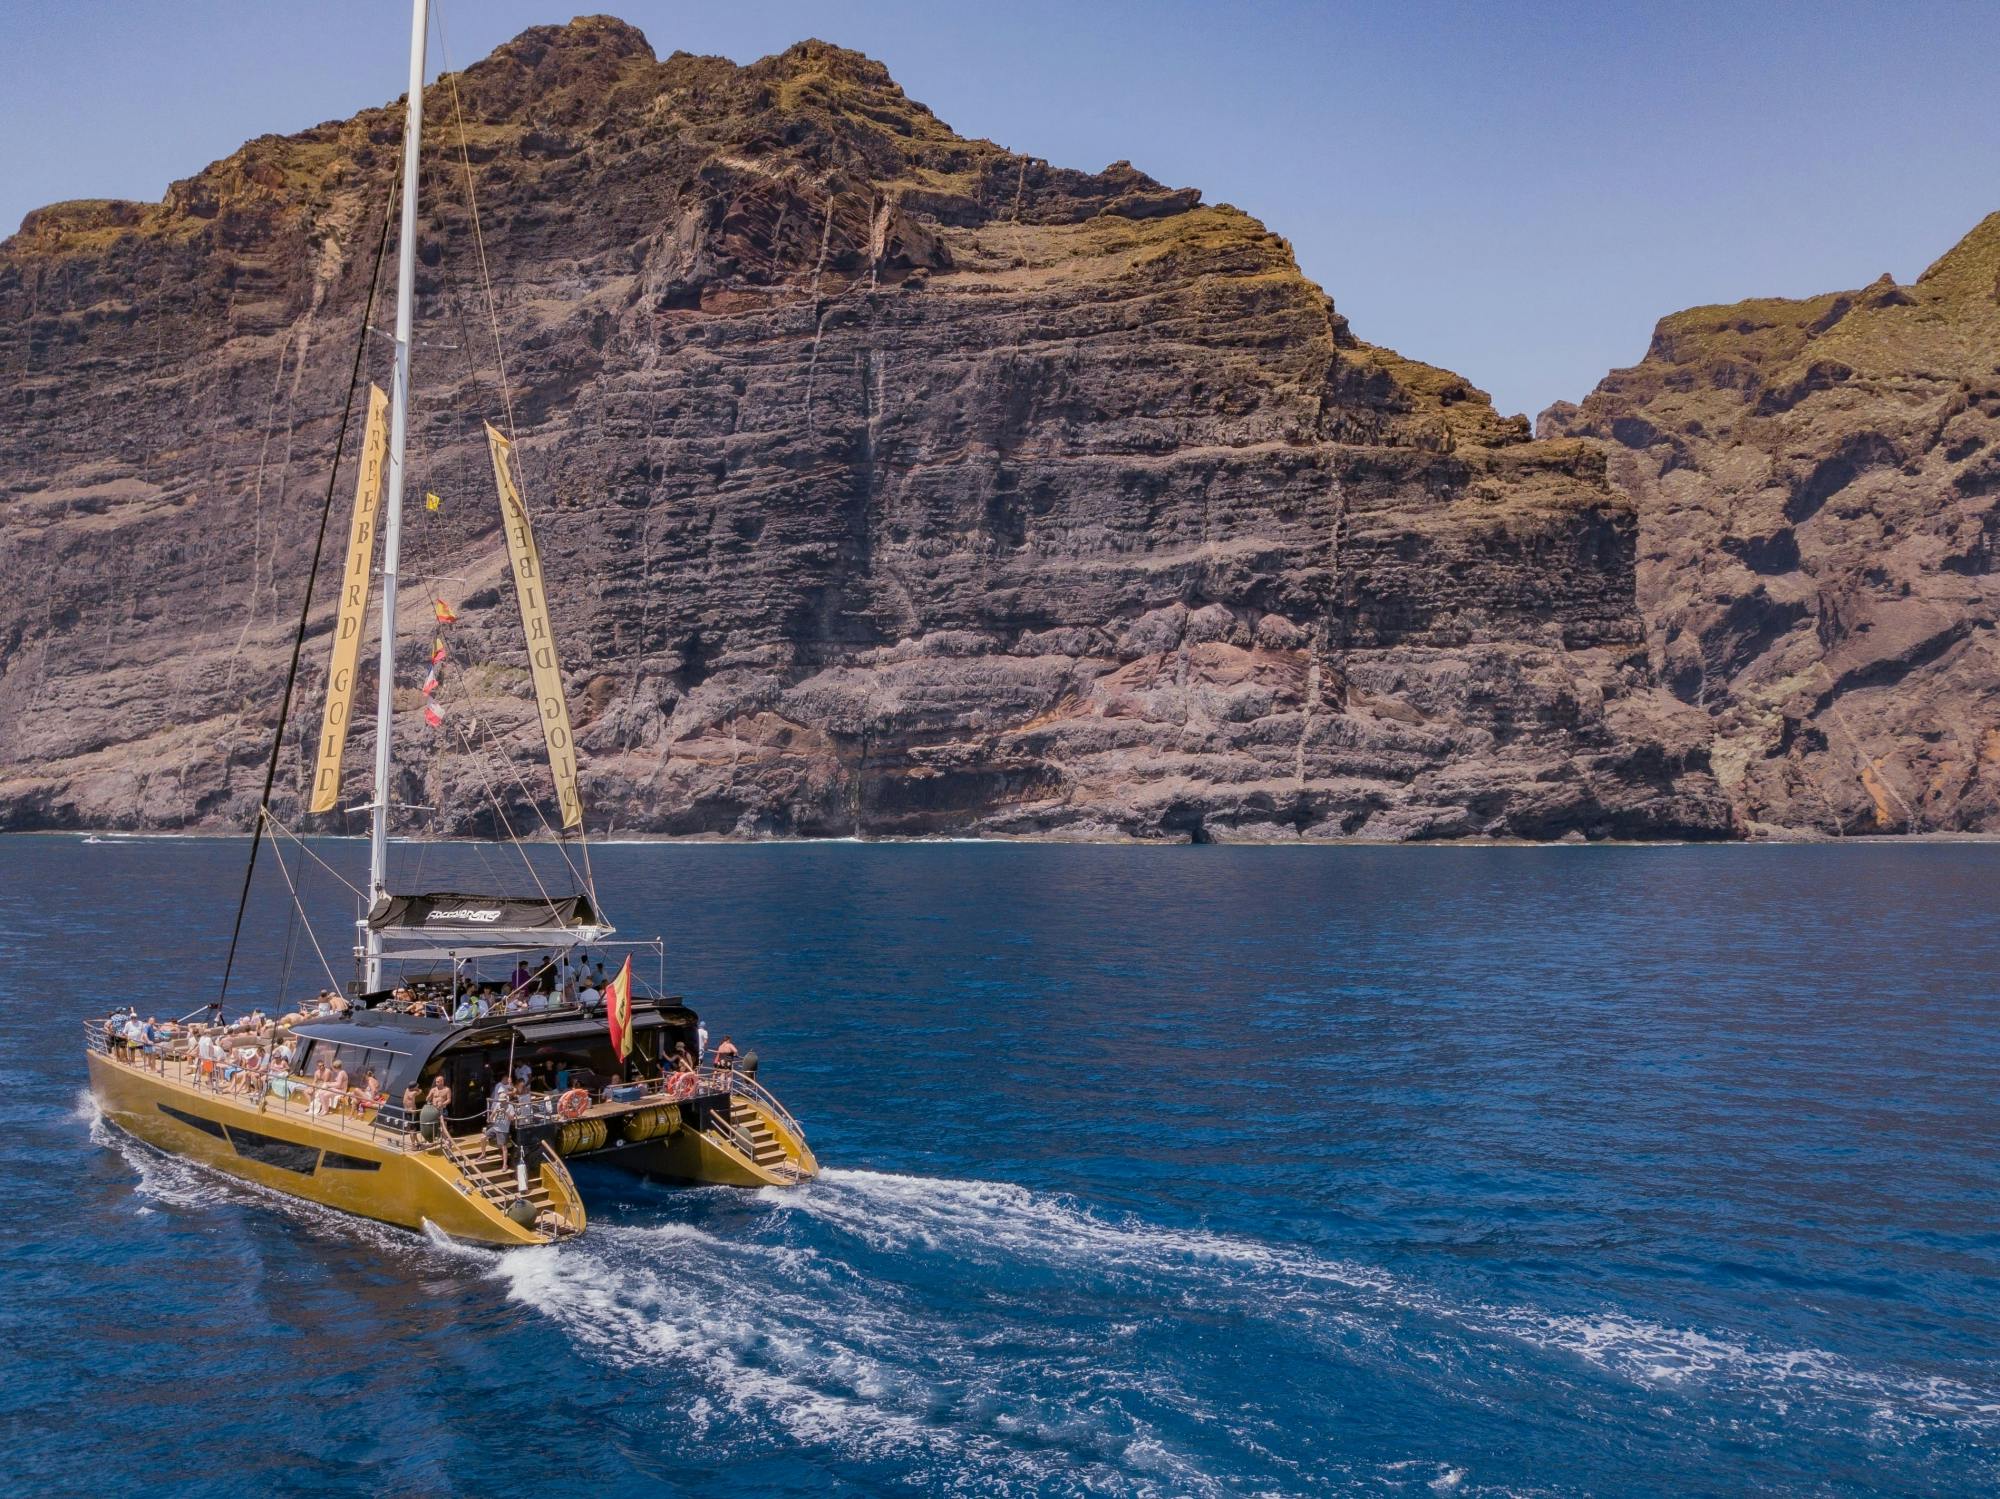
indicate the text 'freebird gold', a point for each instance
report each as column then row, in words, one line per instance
column 353, row 604
column 549, row 701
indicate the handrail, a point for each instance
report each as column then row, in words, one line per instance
column 734, row 1134
column 763, row 1095
column 345, row 1120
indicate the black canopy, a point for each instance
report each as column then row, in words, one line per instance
column 447, row 922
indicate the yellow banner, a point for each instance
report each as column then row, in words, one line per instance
column 549, row 699
column 353, row 603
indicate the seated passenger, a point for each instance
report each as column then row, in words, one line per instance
column 322, row 1083
column 368, row 1094
column 539, row 1000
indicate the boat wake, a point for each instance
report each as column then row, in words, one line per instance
column 174, row 1181
column 998, row 1339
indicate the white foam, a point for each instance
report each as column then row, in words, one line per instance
column 848, row 1367
column 985, row 1221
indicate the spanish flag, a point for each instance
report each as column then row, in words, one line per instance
column 618, row 1009
column 444, row 614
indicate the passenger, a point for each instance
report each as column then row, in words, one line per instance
column 435, row 1104
column 413, row 1099
column 539, row 1000
column 336, row 1087
column 114, row 1031
column 468, row 1009
column 725, row 1056
column 499, row 1115
column 322, row 1087
column 700, row 1043
column 588, row 997
column 250, row 1066
column 369, row 1094
column 208, row 1055
column 153, row 1043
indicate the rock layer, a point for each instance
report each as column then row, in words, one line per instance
column 888, row 482
column 1818, row 485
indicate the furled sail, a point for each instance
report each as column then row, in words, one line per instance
column 353, row 604
column 552, row 707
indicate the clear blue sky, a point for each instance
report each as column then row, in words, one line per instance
column 1516, row 191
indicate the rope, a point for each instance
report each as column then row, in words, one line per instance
column 500, row 812
column 306, row 849
column 305, row 614
column 478, row 238
column 299, row 905
column 586, row 878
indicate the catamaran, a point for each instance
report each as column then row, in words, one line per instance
column 435, row 1094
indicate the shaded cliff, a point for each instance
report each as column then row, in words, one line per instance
column 1818, row 484
column 887, row 482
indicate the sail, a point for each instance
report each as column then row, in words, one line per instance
column 353, row 605
column 549, row 701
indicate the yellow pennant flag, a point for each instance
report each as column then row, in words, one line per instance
column 552, row 708
column 353, row 604
column 431, row 501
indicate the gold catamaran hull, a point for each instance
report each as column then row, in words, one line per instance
column 459, row 1186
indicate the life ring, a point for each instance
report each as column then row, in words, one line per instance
column 573, row 1104
column 683, row 1084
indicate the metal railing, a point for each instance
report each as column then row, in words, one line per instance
column 171, row 1060
column 757, row 1093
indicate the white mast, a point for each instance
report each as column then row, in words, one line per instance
column 392, row 531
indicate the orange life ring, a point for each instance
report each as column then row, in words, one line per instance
column 683, row 1084
column 573, row 1103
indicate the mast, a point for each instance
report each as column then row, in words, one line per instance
column 392, row 530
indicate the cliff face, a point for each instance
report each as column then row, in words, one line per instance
column 1819, row 494
column 887, row 482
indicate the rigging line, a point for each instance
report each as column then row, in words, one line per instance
column 500, row 812
column 299, row 905
column 305, row 615
column 499, row 348
column 478, row 238
column 535, row 802
column 306, row 849
column 293, row 921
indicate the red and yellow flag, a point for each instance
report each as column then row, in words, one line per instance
column 444, row 614
column 618, row 1009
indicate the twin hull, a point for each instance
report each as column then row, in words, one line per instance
column 350, row 1171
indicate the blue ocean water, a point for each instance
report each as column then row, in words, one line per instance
column 1193, row 1171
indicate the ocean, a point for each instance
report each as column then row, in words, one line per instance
column 1150, row 1171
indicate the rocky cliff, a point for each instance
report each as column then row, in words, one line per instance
column 888, row 482
column 1818, row 485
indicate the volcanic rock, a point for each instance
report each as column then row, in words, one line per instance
column 1818, row 485
column 887, row 482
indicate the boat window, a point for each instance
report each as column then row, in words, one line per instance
column 346, row 1054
